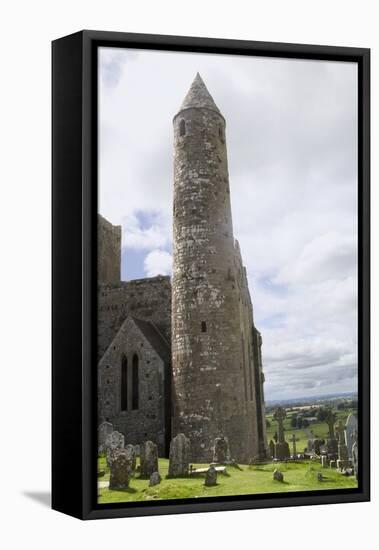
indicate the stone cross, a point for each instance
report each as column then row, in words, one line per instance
column 330, row 420
column 293, row 441
column 350, row 428
column 355, row 453
column 340, row 429
column 279, row 416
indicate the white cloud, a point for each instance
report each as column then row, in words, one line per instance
column 292, row 152
column 158, row 262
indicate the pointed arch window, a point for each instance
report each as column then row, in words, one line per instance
column 135, row 382
column 124, row 383
column 182, row 128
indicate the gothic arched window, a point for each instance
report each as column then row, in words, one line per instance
column 135, row 382
column 182, row 128
column 124, row 383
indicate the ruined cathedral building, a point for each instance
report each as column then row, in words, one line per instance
column 185, row 356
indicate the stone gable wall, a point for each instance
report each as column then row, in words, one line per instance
column 148, row 299
column 149, row 421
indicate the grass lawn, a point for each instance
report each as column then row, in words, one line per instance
column 300, row 476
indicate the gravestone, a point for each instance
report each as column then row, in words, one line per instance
column 148, row 459
column 114, row 441
column 277, row 475
column 120, row 473
column 324, row 461
column 179, row 456
column 320, row 477
column 155, row 479
column 105, row 429
column 131, row 457
column 354, row 452
column 128, row 453
column 282, row 449
column 271, row 447
column 221, row 453
column 210, row 477
column 293, row 441
column 350, row 427
column 343, row 456
column 317, row 446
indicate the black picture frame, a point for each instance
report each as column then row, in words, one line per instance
column 74, row 208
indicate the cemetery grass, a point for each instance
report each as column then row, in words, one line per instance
column 299, row 476
column 319, row 429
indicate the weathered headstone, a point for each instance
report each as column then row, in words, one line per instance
column 120, row 473
column 350, row 427
column 277, row 475
column 210, row 477
column 282, row 449
column 293, row 441
column 148, row 459
column 221, row 453
column 155, row 479
column 324, row 461
column 105, row 429
column 131, row 457
column 271, row 447
column 355, row 453
column 113, row 442
column 179, row 456
column 343, row 456
column 317, row 446
column 128, row 453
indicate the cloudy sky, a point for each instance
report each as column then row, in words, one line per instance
column 292, row 150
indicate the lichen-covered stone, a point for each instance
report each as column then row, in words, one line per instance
column 282, row 450
column 155, row 479
column 119, row 471
column 216, row 349
column 221, row 454
column 148, row 459
column 277, row 475
column 179, row 456
column 114, row 440
column 105, row 429
column 210, row 477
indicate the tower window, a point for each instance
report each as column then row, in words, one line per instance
column 221, row 133
column 203, row 326
column 135, row 382
column 182, row 128
column 124, row 383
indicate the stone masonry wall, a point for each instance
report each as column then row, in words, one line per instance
column 209, row 358
column 148, row 421
column 148, row 299
column 108, row 252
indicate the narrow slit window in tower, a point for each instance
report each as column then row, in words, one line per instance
column 182, row 128
column 221, row 133
column 124, row 383
column 203, row 326
column 135, row 382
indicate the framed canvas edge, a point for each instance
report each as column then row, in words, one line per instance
column 86, row 494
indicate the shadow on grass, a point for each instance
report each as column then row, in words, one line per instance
column 129, row 490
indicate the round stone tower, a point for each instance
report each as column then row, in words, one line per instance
column 209, row 382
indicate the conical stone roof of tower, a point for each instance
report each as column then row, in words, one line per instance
column 199, row 97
